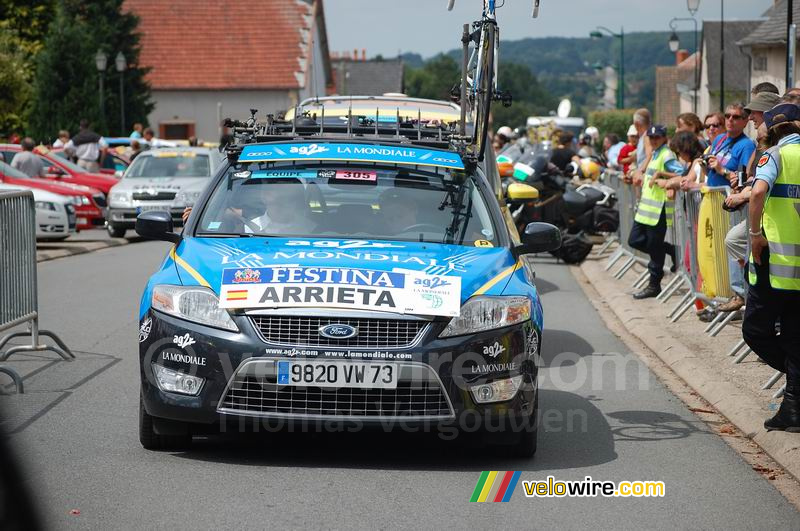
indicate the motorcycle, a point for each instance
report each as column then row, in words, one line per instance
column 579, row 209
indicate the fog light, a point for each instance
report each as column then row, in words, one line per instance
column 176, row 381
column 497, row 391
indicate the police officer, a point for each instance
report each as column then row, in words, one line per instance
column 774, row 265
column 655, row 211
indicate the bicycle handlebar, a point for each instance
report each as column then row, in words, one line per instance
column 452, row 3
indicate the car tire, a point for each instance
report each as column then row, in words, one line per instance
column 154, row 441
column 527, row 440
column 114, row 231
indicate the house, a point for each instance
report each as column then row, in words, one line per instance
column 360, row 77
column 737, row 77
column 669, row 81
column 766, row 46
column 211, row 60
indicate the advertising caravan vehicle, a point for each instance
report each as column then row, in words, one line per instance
column 359, row 274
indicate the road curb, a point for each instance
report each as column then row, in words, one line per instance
column 52, row 251
column 739, row 407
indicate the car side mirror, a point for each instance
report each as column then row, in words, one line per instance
column 55, row 170
column 521, row 193
column 156, row 225
column 539, row 238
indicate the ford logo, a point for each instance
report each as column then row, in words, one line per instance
column 338, row 331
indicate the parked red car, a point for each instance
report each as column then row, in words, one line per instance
column 88, row 213
column 63, row 170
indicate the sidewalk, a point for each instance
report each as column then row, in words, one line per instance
column 83, row 242
column 698, row 359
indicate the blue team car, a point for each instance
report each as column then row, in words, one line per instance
column 361, row 274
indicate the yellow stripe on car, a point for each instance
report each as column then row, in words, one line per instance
column 192, row 271
column 500, row 276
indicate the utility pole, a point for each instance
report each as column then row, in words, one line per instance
column 722, row 55
column 791, row 45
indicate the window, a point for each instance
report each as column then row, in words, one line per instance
column 176, row 130
column 760, row 62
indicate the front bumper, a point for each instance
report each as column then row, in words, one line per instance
column 238, row 369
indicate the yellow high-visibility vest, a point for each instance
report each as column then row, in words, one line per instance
column 654, row 198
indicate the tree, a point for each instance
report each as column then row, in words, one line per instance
column 66, row 85
column 434, row 80
column 529, row 97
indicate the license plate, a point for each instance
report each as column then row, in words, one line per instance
column 150, row 208
column 337, row 374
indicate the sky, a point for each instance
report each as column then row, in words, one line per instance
column 426, row 27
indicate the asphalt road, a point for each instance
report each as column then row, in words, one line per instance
column 605, row 416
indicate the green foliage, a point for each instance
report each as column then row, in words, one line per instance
column 66, row 84
column 14, row 84
column 615, row 121
column 434, row 80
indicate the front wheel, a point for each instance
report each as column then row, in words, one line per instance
column 152, row 440
column 114, row 231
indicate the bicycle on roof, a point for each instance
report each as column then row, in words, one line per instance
column 481, row 71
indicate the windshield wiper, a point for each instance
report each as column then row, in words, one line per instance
column 228, row 234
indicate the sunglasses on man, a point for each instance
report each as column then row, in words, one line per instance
column 712, row 126
column 729, row 116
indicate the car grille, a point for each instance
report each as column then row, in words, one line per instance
column 100, row 199
column 260, row 395
column 159, row 196
column 296, row 331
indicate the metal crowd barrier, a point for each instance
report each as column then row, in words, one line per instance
column 688, row 280
column 18, row 288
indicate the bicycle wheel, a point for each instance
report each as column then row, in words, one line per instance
column 484, row 91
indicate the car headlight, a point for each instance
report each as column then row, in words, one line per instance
column 193, row 303
column 76, row 200
column 187, row 198
column 44, row 205
column 120, row 198
column 85, row 200
column 487, row 313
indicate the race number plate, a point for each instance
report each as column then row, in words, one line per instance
column 337, row 374
column 360, row 176
column 150, row 208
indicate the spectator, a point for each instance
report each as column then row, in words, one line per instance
column 627, row 154
column 27, row 161
column 563, row 154
column 13, row 138
column 689, row 150
column 736, row 239
column 760, row 102
column 732, row 150
column 611, row 147
column 713, row 125
column 654, row 214
column 137, row 131
column 689, row 121
column 136, row 148
column 88, row 147
column 791, row 96
column 585, row 147
column 155, row 142
column 641, row 120
column 774, row 293
column 63, row 138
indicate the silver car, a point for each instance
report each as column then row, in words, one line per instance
column 168, row 179
column 55, row 214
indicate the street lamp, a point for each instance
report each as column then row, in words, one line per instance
column 692, row 6
column 121, row 64
column 598, row 34
column 675, row 44
column 101, row 61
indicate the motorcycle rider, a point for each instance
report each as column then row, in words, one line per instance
column 502, row 137
column 654, row 214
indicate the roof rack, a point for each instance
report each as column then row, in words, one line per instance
column 310, row 127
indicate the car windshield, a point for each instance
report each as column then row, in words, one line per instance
column 170, row 164
column 341, row 200
column 64, row 161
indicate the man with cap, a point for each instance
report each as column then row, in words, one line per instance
column 654, row 213
column 761, row 102
column 774, row 265
column 731, row 151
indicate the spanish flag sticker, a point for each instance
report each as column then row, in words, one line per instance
column 763, row 160
column 483, row 243
column 237, row 295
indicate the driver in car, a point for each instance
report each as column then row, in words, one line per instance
column 398, row 210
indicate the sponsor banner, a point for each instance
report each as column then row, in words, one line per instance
column 411, row 292
column 350, row 152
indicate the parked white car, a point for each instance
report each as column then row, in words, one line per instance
column 168, row 179
column 55, row 214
